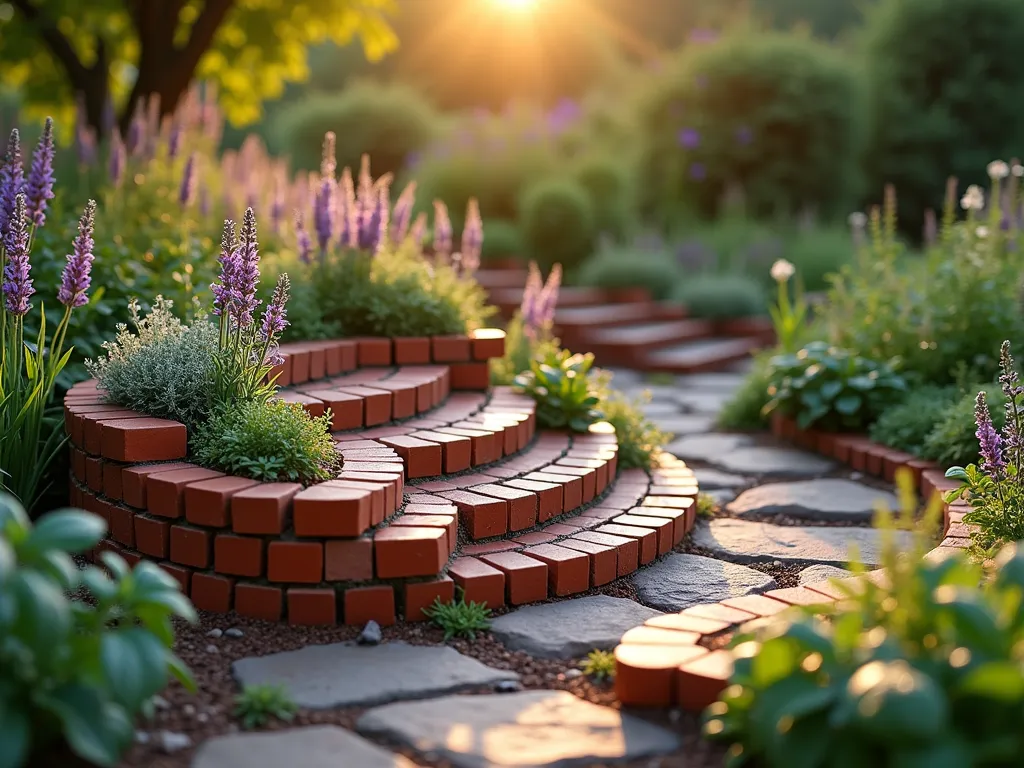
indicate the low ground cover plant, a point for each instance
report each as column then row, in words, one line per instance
column 599, row 665
column 256, row 705
column 564, row 391
column 76, row 672
column 459, row 618
column 907, row 425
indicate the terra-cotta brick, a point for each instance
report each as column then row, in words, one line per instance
column 402, row 551
column 136, row 440
column 568, row 570
column 238, row 555
column 312, row 607
column 421, row 595
column 262, row 508
column 212, row 593
column 482, row 516
column 422, row 458
column 646, row 675
column 190, row 546
column 166, row 490
column 363, row 604
column 348, row 560
column 295, row 561
column 479, row 582
column 603, row 559
column 208, row 502
column 328, row 510
column 701, row 680
column 152, row 537
column 258, row 601
column 526, row 578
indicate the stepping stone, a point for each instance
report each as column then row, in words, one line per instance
column 703, row 401
column 320, row 746
column 570, row 628
column 532, row 729
column 722, row 496
column 679, row 581
column 708, row 448
column 347, row 675
column 760, row 460
column 825, row 499
column 658, row 408
column 685, row 423
column 713, row 381
column 743, row 541
column 816, row 574
column 709, row 479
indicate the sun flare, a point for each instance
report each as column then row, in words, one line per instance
column 516, row 5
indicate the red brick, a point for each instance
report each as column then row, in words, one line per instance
column 363, row 604
column 258, row 601
column 700, row 681
column 423, row 594
column 112, row 480
column 677, row 517
column 91, row 427
column 603, row 559
column 262, row 508
column 312, row 607
column 479, row 582
column 329, row 510
column 373, row 351
column 627, row 549
column 238, row 555
column 135, row 440
column 422, row 459
column 412, row 350
column 212, row 593
column 317, row 360
column 208, row 502
column 456, row 451
column 645, row 635
column 121, row 521
column 403, row 551
column 403, row 397
column 572, row 487
column 665, row 528
column 180, row 574
column 78, row 464
column 134, row 481
column 152, row 537
column 568, row 570
column 348, row 560
column 522, row 504
column 647, row 675
column 94, row 473
column 300, row 364
column 282, row 374
column 166, row 490
column 488, row 343
column 759, row 605
column 482, row 516
column 346, row 409
column 647, row 538
column 376, row 404
column 798, row 596
column 451, row 349
column 190, row 546
column 587, row 475
column 312, row 406
column 448, row 523
column 486, row 445
column 526, row 578
column 686, row 622
column 295, row 561
column 550, row 502
column 474, row 377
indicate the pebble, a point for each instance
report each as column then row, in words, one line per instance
column 211, row 648
column 203, row 717
column 141, row 737
column 215, row 633
column 188, row 710
column 571, row 674
column 507, row 686
column 161, row 703
column 371, row 634
column 171, row 741
column 777, row 563
column 233, row 632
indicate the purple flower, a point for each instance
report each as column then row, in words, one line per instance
column 118, row 158
column 248, row 276
column 698, row 171
column 39, row 185
column 375, row 225
column 17, row 285
column 472, row 237
column 187, row 193
column 548, row 301
column 989, row 441
column 136, row 137
column 274, row 316
column 347, row 215
column 174, row 139
column 418, row 230
column 85, row 145
column 224, row 291
column 402, row 214
column 109, row 118
column 688, row 138
column 323, row 213
column 744, row 135
column 531, row 296
column 442, row 230
column 277, row 204
column 12, row 180
column 76, row 278
column 204, row 201
column 302, row 240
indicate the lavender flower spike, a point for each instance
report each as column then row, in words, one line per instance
column 323, row 213
column 418, row 230
column 989, row 441
column 76, row 278
column 275, row 315
column 17, row 285
column 248, row 275
column 529, row 306
column 375, row 225
column 402, row 214
column 224, row 291
column 472, row 237
column 442, row 230
column 118, row 158
column 302, row 240
column 348, row 233
column 12, row 180
column 187, row 193
column 39, row 185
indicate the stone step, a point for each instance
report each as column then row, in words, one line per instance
column 490, row 279
column 628, row 344
column 605, row 316
column 700, row 355
column 510, row 299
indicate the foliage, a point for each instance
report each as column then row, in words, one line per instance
column 268, row 441
column 609, row 186
column 78, row 670
column 745, row 409
column 502, row 240
column 520, row 351
column 757, row 109
column 952, row 440
column 558, row 222
column 638, row 437
column 633, row 266
column 387, row 122
column 599, row 665
column 789, row 316
column 459, row 618
column 566, row 395
column 831, row 388
column 721, row 296
column 922, row 668
column 706, row 505
column 936, row 107
column 818, row 253
column 163, row 368
column 907, row 425
column 257, row 704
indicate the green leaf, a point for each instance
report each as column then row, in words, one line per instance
column 90, row 724
column 42, row 615
column 66, row 530
column 848, row 404
column 896, row 701
column 830, row 389
column 1002, row 681
column 15, row 736
column 957, row 473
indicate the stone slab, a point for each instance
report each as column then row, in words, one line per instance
column 710, row 447
column 570, row 628
column 824, row 499
column 685, row 423
column 532, row 729
column 763, row 460
column 321, row 746
column 709, row 479
column 348, row 675
column 743, row 541
column 680, row 581
column 712, row 381
column 816, row 574
column 703, row 401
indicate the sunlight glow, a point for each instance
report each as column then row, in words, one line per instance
column 517, row 5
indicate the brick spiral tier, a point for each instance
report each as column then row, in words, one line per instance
column 443, row 483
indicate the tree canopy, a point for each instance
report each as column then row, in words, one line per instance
column 55, row 51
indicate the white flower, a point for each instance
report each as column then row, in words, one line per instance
column 782, row 270
column 997, row 169
column 1018, row 170
column 857, row 220
column 981, row 232
column 973, row 199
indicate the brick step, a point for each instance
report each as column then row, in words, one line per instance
column 491, row 279
column 627, row 345
column 508, row 300
column 700, row 355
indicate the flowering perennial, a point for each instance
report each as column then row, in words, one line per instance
column 39, row 185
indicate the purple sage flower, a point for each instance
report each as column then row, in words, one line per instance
column 472, row 237
column 275, row 314
column 302, row 241
column 698, row 171
column 744, row 136
column 375, row 226
column 85, row 145
column 347, row 214
column 688, row 138
column 418, row 230
column 531, row 296
column 402, row 214
column 17, row 284
column 1012, row 389
column 118, row 158
column 323, row 213
column 135, row 140
column 989, row 441
column 174, row 139
column 442, row 230
column 248, row 275
column 12, row 180
column 224, row 292
column 277, row 204
column 39, row 185
column 548, row 300
column 187, row 193
column 109, row 117
column 75, row 280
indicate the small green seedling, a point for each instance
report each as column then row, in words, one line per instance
column 706, row 505
column 599, row 666
column 459, row 618
column 256, row 704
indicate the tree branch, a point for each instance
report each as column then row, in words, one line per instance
column 55, row 40
column 203, row 31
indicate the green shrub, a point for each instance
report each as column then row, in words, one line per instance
column 459, row 618
column 614, row 266
column 566, row 395
column 638, row 437
column 745, row 409
column 558, row 222
column 952, row 440
column 80, row 670
column 921, row 671
column 721, row 296
column 777, row 113
column 599, row 665
column 520, row 351
column 162, row 368
column 817, row 254
column 906, row 425
column 706, row 505
column 502, row 240
column 273, row 441
column 608, row 184
column 938, row 108
column 831, row 388
column 257, row 704
column 388, row 122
